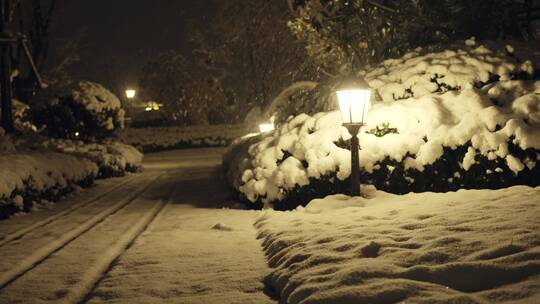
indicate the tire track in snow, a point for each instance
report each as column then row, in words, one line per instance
column 82, row 292
column 8, row 238
column 28, row 263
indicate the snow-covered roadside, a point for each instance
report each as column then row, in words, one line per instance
column 35, row 170
column 156, row 139
column 40, row 176
column 112, row 158
column 194, row 251
column 469, row 246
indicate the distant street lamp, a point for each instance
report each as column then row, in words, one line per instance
column 353, row 96
column 130, row 93
column 266, row 127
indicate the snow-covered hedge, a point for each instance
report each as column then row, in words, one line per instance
column 27, row 178
column 459, row 118
column 81, row 110
column 112, row 158
column 168, row 138
column 458, row 67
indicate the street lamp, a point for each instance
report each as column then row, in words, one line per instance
column 353, row 96
column 130, row 93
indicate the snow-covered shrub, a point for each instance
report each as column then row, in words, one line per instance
column 27, row 178
column 112, row 158
column 473, row 136
column 21, row 117
column 81, row 110
column 168, row 138
column 457, row 67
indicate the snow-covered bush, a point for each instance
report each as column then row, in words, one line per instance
column 112, row 158
column 455, row 68
column 27, row 178
column 447, row 120
column 168, row 138
column 81, row 110
column 21, row 118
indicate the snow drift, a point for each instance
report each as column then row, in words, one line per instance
column 417, row 248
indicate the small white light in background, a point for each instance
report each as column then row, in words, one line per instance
column 266, row 127
column 130, row 93
column 77, row 134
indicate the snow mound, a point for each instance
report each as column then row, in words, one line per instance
column 458, row 247
column 457, row 67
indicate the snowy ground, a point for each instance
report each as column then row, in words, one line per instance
column 470, row 246
column 163, row 236
column 180, row 248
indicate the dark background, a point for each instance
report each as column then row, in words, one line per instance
column 114, row 39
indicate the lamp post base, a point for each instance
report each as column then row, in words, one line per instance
column 355, row 158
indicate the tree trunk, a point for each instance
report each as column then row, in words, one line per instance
column 5, row 67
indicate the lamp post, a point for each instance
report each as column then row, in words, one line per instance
column 353, row 96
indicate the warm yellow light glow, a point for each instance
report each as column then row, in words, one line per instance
column 266, row 127
column 77, row 134
column 130, row 93
column 152, row 106
column 354, row 104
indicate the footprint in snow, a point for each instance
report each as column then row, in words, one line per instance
column 222, row 227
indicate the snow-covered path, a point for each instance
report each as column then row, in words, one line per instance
column 156, row 237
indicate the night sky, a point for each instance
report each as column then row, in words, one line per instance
column 116, row 38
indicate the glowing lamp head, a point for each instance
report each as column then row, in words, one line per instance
column 130, row 93
column 266, row 127
column 353, row 96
